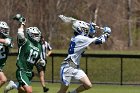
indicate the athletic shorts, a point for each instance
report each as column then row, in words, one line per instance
column 67, row 73
column 40, row 68
column 24, row 77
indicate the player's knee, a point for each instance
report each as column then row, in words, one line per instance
column 29, row 91
column 88, row 86
column 4, row 80
column 21, row 90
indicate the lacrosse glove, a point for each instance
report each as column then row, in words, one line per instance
column 107, row 31
column 19, row 18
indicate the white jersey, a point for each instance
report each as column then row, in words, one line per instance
column 77, row 46
column 45, row 47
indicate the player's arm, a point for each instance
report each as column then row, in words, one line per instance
column 20, row 33
column 103, row 38
column 49, row 53
column 49, row 50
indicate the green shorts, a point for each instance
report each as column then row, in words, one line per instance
column 24, row 77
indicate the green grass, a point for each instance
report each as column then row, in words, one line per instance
column 95, row 89
column 99, row 69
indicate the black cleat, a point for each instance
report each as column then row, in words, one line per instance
column 45, row 89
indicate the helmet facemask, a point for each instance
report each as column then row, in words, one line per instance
column 36, row 36
column 34, row 33
column 4, row 29
column 85, row 31
column 81, row 27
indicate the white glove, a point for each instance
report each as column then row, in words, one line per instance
column 42, row 62
column 107, row 30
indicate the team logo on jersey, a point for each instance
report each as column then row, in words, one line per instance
column 35, row 48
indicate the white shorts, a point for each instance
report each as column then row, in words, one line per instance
column 67, row 72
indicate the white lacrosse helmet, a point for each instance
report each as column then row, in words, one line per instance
column 33, row 34
column 4, row 28
column 80, row 27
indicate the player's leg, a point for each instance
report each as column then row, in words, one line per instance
column 63, row 88
column 24, row 79
column 41, row 71
column 86, row 84
column 3, row 78
column 21, row 90
column 25, row 88
column 41, row 76
column 42, row 80
column 28, row 89
column 65, row 77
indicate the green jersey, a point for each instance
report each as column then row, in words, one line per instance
column 4, row 51
column 28, row 54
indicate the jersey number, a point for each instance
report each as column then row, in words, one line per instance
column 71, row 47
column 2, row 52
column 32, row 57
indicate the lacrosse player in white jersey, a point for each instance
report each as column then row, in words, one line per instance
column 83, row 37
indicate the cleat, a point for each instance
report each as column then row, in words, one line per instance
column 11, row 85
column 45, row 89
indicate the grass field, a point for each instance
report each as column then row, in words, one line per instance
column 96, row 88
column 99, row 70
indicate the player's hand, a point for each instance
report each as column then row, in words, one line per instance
column 107, row 31
column 19, row 18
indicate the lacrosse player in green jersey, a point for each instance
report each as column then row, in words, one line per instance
column 28, row 54
column 5, row 44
